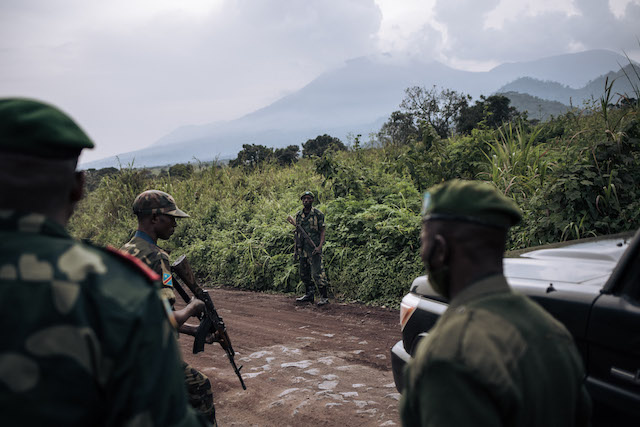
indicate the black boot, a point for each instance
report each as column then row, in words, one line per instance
column 323, row 300
column 308, row 296
column 305, row 298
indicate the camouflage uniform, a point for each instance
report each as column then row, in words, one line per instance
column 495, row 358
column 143, row 248
column 86, row 339
column 311, row 265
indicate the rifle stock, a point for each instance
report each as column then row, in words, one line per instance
column 212, row 322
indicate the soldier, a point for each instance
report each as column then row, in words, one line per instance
column 157, row 212
column 86, row 340
column 494, row 358
column 309, row 250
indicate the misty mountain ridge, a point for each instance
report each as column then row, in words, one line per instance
column 360, row 96
column 623, row 81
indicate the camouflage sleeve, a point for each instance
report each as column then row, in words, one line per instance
column 321, row 224
column 164, row 270
column 148, row 385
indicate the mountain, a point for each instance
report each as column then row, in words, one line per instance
column 536, row 108
column 356, row 98
column 624, row 81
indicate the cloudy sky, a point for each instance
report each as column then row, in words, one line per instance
column 131, row 71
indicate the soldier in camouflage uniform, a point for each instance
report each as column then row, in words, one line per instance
column 312, row 222
column 494, row 358
column 86, row 341
column 157, row 212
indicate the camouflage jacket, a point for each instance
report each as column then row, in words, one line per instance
column 86, row 340
column 495, row 358
column 142, row 247
column 313, row 224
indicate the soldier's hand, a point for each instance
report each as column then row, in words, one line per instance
column 317, row 250
column 195, row 307
column 211, row 338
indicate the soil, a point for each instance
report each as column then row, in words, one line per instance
column 303, row 365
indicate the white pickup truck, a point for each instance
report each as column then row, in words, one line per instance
column 593, row 287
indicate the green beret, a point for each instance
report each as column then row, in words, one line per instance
column 308, row 193
column 37, row 129
column 470, row 201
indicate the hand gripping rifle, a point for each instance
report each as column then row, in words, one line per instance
column 300, row 230
column 211, row 322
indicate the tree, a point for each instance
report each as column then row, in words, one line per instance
column 252, row 155
column 286, row 156
column 181, row 170
column 492, row 111
column 439, row 108
column 399, row 129
column 320, row 144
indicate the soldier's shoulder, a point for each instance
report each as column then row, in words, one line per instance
column 120, row 261
column 467, row 330
column 481, row 341
column 133, row 263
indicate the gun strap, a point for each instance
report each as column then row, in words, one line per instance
column 180, row 289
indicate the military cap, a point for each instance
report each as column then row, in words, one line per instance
column 156, row 202
column 37, row 129
column 308, row 193
column 470, row 201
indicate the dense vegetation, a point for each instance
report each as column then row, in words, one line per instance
column 573, row 176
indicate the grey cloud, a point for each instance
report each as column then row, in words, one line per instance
column 134, row 82
column 529, row 37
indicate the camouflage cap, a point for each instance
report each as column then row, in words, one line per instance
column 470, row 201
column 37, row 129
column 308, row 193
column 156, row 202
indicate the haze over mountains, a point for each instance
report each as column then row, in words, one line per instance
column 359, row 97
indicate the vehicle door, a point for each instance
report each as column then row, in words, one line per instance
column 613, row 336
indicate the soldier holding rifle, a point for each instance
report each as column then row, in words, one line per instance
column 309, row 237
column 157, row 213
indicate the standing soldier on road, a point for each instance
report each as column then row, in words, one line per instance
column 86, row 341
column 494, row 358
column 309, row 243
column 157, row 213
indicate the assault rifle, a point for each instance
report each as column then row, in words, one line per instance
column 211, row 322
column 300, row 230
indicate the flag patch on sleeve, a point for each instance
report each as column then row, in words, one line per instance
column 167, row 280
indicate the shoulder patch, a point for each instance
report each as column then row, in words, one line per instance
column 135, row 262
column 167, row 279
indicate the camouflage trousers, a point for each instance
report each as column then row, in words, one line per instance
column 312, row 271
column 199, row 392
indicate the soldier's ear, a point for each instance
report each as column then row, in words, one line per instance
column 440, row 252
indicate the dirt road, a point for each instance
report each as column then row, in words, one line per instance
column 303, row 365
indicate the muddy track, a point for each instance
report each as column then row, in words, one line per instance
column 303, row 365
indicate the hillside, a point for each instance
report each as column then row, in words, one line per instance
column 536, row 108
column 574, row 176
column 593, row 90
